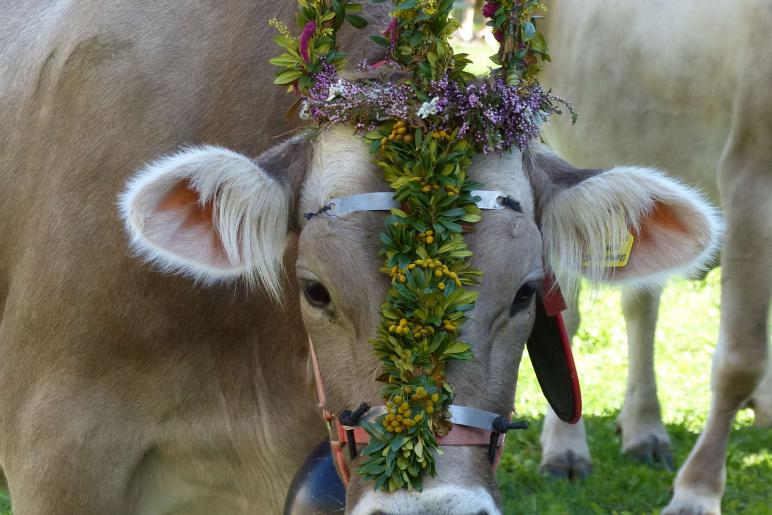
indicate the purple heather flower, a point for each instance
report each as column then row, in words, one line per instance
column 305, row 37
column 490, row 9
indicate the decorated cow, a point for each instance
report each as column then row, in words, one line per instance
column 389, row 264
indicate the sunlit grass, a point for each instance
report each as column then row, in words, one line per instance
column 686, row 336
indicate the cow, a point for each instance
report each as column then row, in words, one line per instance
column 650, row 87
column 124, row 390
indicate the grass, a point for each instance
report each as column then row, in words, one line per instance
column 686, row 336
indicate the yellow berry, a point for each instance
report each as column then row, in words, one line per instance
column 429, row 240
column 438, row 273
column 408, row 138
column 441, row 286
column 426, row 189
column 402, row 278
column 411, row 266
column 435, row 397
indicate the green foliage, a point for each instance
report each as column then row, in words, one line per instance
column 429, row 264
column 523, row 47
column 304, row 56
column 423, row 45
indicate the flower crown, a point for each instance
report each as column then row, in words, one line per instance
column 423, row 128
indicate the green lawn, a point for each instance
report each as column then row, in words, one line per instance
column 686, row 337
column 685, row 340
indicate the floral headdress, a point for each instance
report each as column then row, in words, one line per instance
column 423, row 131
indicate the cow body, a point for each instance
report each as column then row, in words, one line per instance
column 118, row 385
column 684, row 87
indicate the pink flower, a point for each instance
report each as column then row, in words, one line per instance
column 490, row 9
column 305, row 37
column 391, row 31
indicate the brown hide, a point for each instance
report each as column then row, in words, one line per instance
column 118, row 384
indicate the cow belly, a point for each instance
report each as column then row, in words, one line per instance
column 649, row 85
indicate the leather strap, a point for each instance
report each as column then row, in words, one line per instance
column 471, row 426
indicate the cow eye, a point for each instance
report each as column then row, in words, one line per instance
column 316, row 294
column 522, row 298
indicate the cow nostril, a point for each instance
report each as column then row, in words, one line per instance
column 483, row 512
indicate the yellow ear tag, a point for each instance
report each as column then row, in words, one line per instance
column 619, row 256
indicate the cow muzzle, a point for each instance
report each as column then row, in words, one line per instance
column 440, row 500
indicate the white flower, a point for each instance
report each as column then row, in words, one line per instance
column 429, row 108
column 335, row 90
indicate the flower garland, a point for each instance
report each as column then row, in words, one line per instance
column 423, row 132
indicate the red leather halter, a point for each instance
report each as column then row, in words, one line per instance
column 459, row 434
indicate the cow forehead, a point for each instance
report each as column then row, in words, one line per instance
column 343, row 165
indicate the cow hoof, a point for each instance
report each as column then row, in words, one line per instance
column 653, row 451
column 690, row 503
column 568, row 466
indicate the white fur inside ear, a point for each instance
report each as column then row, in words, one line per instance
column 581, row 222
column 249, row 223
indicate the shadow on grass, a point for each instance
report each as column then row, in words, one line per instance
column 619, row 485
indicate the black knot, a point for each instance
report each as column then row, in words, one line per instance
column 511, row 204
column 324, row 209
column 502, row 425
column 351, row 418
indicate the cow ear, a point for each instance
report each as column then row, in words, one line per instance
column 587, row 217
column 214, row 215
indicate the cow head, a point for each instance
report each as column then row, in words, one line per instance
column 215, row 215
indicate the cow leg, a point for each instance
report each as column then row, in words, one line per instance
column 565, row 453
column 644, row 437
column 761, row 402
column 741, row 355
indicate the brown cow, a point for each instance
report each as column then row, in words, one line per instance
column 126, row 391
